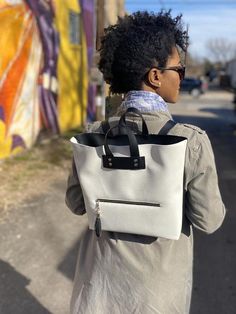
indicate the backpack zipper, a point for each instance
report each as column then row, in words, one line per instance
column 126, row 202
column 98, row 225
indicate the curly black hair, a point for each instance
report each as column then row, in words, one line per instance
column 135, row 44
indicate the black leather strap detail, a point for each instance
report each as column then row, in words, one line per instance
column 135, row 161
column 132, row 163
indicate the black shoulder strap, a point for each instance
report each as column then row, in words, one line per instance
column 105, row 126
column 167, row 127
column 163, row 131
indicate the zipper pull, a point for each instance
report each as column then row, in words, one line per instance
column 98, row 225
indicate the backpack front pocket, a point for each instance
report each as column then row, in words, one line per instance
column 135, row 217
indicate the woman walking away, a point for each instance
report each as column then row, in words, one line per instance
column 122, row 273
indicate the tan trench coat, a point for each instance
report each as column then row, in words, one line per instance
column 124, row 274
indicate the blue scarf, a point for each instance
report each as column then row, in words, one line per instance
column 144, row 101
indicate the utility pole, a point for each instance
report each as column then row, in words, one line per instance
column 100, row 97
column 100, row 22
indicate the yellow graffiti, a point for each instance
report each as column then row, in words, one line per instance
column 6, row 143
column 72, row 65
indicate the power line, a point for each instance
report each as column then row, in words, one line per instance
column 182, row 2
column 206, row 3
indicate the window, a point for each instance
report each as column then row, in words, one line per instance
column 74, row 28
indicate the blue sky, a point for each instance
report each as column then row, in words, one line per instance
column 207, row 19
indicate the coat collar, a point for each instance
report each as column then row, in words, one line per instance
column 150, row 104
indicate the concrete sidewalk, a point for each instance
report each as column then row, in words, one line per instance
column 38, row 249
column 214, row 285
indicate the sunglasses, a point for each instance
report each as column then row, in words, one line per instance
column 180, row 69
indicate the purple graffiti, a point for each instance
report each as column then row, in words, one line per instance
column 2, row 116
column 44, row 14
column 88, row 15
column 17, row 141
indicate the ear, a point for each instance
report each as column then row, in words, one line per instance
column 154, row 76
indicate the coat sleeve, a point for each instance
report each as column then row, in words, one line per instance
column 74, row 196
column 204, row 206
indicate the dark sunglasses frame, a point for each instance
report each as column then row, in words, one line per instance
column 180, row 69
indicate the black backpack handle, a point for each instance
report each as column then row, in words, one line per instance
column 133, row 144
column 136, row 112
column 134, row 162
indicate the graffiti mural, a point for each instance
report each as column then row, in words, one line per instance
column 88, row 12
column 72, row 69
column 46, row 50
column 44, row 13
column 21, row 53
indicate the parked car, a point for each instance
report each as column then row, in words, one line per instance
column 193, row 86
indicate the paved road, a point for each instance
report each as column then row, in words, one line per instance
column 39, row 240
column 215, row 255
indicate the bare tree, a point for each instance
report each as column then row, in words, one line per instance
column 221, row 49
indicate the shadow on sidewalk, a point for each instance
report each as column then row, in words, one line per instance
column 214, row 258
column 14, row 296
column 68, row 264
